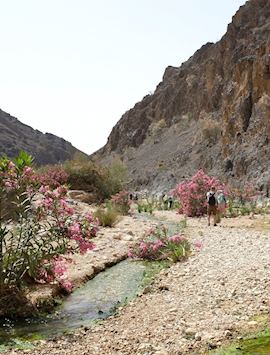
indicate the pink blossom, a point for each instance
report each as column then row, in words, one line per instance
column 159, row 243
column 43, row 189
column 89, row 217
column 9, row 185
column 59, row 268
column 142, row 246
column 27, row 170
column 198, row 245
column 74, row 228
column 10, row 165
column 177, row 238
column 47, row 202
column 66, row 285
column 85, row 246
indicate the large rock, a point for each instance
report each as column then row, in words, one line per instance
column 212, row 112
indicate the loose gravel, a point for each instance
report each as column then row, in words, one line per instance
column 192, row 306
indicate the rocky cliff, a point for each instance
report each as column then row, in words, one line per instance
column 45, row 148
column 212, row 112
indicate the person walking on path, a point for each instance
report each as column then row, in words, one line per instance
column 211, row 205
column 221, row 205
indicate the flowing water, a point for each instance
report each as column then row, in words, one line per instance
column 97, row 299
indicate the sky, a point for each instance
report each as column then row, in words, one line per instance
column 74, row 67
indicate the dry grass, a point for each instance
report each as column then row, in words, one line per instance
column 211, row 130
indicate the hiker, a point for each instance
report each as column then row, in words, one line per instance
column 211, row 205
column 221, row 205
column 170, row 202
column 165, row 201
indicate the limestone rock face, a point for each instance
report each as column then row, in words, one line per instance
column 212, row 112
column 45, row 148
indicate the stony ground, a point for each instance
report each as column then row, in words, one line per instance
column 192, row 306
column 111, row 246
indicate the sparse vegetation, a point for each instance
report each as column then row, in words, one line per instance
column 211, row 130
column 121, row 202
column 156, row 127
column 102, row 182
column 107, row 217
column 157, row 244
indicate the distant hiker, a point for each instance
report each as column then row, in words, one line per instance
column 211, row 205
column 165, row 201
column 170, row 202
column 221, row 204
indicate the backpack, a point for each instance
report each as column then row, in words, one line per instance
column 212, row 200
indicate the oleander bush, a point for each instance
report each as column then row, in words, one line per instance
column 157, row 244
column 33, row 245
column 52, row 176
column 191, row 193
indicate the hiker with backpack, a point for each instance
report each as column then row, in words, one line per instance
column 211, row 205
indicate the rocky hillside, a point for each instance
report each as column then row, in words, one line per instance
column 45, row 148
column 212, row 112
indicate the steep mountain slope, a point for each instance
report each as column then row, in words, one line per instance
column 212, row 112
column 45, row 148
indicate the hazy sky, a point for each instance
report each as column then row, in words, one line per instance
column 73, row 67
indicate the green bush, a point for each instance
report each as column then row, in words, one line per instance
column 107, row 217
column 121, row 202
column 102, row 182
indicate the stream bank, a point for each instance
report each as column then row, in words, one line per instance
column 112, row 246
column 97, row 299
column 202, row 303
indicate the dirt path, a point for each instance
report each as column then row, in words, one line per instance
column 192, row 306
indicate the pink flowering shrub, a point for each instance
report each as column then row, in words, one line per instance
column 45, row 229
column 52, row 176
column 158, row 245
column 121, row 202
column 55, row 270
column 192, row 193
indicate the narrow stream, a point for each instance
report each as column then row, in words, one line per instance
column 95, row 300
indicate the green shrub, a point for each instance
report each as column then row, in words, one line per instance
column 107, row 217
column 182, row 225
column 121, row 202
column 102, row 182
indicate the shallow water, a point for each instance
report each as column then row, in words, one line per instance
column 96, row 299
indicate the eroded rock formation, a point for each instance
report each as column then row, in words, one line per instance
column 212, row 112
